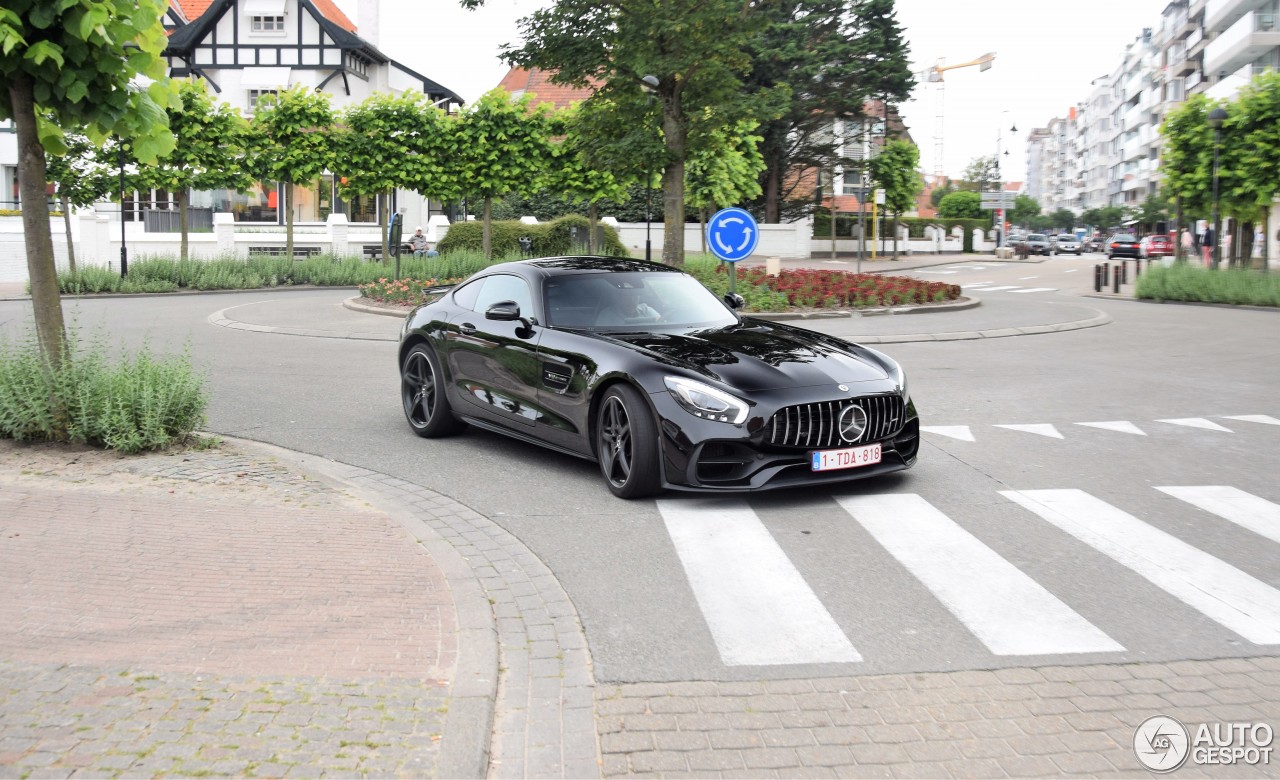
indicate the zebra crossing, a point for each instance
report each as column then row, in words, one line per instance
column 965, row 432
column 761, row 611
column 1016, row 289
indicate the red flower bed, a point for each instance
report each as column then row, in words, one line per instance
column 822, row 289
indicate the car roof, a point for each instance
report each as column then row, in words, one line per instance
column 576, row 264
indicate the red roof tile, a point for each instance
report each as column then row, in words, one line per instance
column 194, row 9
column 519, row 81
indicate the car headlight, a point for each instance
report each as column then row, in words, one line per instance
column 706, row 401
column 900, row 377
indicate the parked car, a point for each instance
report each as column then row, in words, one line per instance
column 1122, row 245
column 1092, row 244
column 1067, row 244
column 1155, row 246
column 637, row 366
column 1037, row 244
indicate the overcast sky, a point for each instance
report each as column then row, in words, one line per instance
column 1047, row 53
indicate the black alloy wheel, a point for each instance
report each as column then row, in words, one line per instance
column 627, row 444
column 422, row 393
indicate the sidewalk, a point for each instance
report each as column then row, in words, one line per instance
column 250, row 611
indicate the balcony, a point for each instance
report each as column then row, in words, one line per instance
column 1221, row 14
column 1191, row 81
column 1253, row 35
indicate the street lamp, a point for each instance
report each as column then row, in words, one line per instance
column 1216, row 117
column 650, row 83
column 124, row 252
column 1000, row 214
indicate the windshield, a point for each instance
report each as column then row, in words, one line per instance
column 1036, row 237
column 634, row 300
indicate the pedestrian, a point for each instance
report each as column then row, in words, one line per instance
column 1188, row 243
column 418, row 242
column 1206, row 245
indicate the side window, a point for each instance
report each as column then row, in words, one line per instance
column 503, row 287
column 465, row 296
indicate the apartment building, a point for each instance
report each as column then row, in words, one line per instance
column 1243, row 41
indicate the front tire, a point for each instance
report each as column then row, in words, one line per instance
column 422, row 393
column 627, row 444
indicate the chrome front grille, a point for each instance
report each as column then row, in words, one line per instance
column 817, row 425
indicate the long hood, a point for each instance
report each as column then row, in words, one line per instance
column 761, row 356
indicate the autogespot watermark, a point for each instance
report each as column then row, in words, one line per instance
column 1163, row 744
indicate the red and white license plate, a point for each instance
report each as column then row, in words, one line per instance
column 849, row 458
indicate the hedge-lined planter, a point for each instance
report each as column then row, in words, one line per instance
column 550, row 239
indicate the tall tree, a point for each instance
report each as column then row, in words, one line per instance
column 894, row 170
column 981, row 175
column 75, row 62
column 579, row 172
column 1024, row 208
column 292, row 142
column 82, row 179
column 695, row 49
column 210, row 153
column 501, row 146
column 961, row 204
column 389, row 142
column 1256, row 158
column 823, row 60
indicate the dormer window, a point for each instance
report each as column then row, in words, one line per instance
column 267, row 23
column 257, row 94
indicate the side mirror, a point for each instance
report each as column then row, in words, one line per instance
column 503, row 311
column 734, row 301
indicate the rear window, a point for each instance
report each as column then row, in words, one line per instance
column 1123, row 237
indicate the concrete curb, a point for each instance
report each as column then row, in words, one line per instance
column 993, row 333
column 464, row 746
column 354, row 304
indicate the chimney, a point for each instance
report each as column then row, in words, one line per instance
column 368, row 26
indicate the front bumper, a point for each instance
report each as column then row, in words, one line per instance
column 704, row 456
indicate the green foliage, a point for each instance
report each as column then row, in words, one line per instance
column 549, row 239
column 710, row 271
column 154, row 275
column 1062, row 219
column 982, row 175
column 725, row 168
column 1186, row 282
column 1187, row 157
column 1024, row 208
column 1104, row 218
column 393, row 142
column 210, row 150
column 80, row 173
column 963, row 204
column 894, row 169
column 819, row 60
column 140, row 402
column 292, row 135
column 78, row 60
column 1255, row 157
column 578, row 172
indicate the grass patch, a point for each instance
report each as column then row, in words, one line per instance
column 1185, row 282
column 139, row 402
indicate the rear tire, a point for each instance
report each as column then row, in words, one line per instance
column 627, row 444
column 422, row 393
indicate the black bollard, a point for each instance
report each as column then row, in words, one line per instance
column 1097, row 277
column 1116, row 278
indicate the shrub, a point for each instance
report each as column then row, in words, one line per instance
column 139, row 403
column 549, row 238
column 1185, row 282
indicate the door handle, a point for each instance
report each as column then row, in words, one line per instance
column 466, row 329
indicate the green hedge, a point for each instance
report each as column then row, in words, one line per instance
column 549, row 238
column 1184, row 282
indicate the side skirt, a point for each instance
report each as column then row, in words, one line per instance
column 524, row 437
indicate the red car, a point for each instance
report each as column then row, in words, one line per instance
column 1156, row 246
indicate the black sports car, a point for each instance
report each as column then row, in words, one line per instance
column 639, row 367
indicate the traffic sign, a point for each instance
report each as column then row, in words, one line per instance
column 733, row 234
column 996, row 200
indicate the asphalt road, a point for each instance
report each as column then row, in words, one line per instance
column 887, row 575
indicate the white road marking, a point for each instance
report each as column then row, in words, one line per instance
column 1044, row 429
column 1024, row 278
column 1008, row 611
column 1244, row 509
column 1005, row 287
column 1123, row 426
column 1071, row 270
column 960, row 432
column 1265, row 419
column 1034, row 289
column 936, row 272
column 975, row 284
column 1220, row 591
column 758, row 607
column 1197, row 422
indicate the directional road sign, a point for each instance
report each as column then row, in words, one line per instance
column 733, row 234
column 996, row 200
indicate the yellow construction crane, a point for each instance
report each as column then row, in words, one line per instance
column 934, row 76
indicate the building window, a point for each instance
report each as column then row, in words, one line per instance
column 267, row 23
column 257, row 94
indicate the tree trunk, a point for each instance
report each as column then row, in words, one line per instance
column 673, row 183
column 46, row 303
column 183, row 225
column 288, row 219
column 486, row 244
column 592, row 226
column 773, row 193
column 1266, row 239
column 1178, row 255
column 702, row 227
column 895, row 235
column 66, row 221
column 1244, row 239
